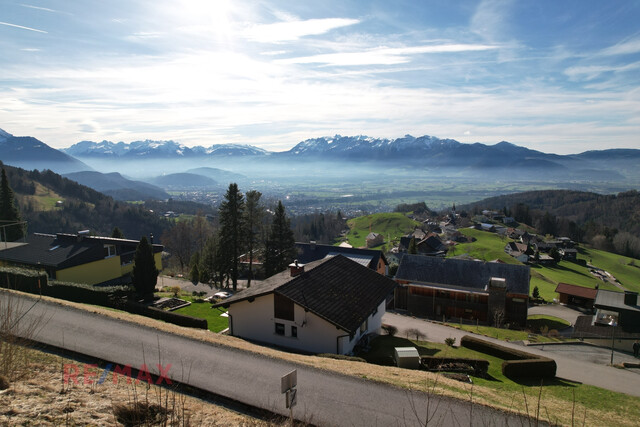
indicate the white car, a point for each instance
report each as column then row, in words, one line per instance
column 222, row 294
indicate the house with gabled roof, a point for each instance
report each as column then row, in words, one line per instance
column 576, row 295
column 325, row 306
column 372, row 258
column 374, row 239
column 458, row 288
column 78, row 258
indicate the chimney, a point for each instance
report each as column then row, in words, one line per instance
column 630, row 298
column 296, row 269
column 312, row 245
column 81, row 234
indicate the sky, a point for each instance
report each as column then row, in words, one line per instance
column 556, row 76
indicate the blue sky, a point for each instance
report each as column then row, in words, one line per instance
column 557, row 76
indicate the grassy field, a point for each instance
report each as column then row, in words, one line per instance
column 391, row 225
column 201, row 310
column 490, row 246
column 43, row 199
column 594, row 405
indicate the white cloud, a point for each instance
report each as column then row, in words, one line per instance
column 625, row 48
column 293, row 30
column 22, row 27
column 384, row 56
column 590, row 72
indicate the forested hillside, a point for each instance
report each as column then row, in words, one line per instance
column 610, row 222
column 38, row 194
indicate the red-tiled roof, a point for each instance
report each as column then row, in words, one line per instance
column 576, row 291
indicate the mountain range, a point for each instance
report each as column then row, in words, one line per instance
column 429, row 154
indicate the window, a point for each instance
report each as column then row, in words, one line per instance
column 282, row 307
column 363, row 327
column 109, row 250
column 280, row 328
column 294, row 332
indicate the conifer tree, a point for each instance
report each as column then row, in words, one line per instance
column 117, row 233
column 231, row 226
column 9, row 213
column 280, row 245
column 145, row 273
column 254, row 214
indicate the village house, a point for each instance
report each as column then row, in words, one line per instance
column 374, row 239
column 78, row 258
column 372, row 258
column 576, row 295
column 457, row 288
column 325, row 306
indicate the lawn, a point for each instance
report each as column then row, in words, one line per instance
column 534, row 324
column 391, row 225
column 599, row 406
column 201, row 310
column 487, row 247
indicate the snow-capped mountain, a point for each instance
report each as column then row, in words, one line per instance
column 30, row 153
column 148, row 149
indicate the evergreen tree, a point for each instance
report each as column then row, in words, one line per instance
column 208, row 261
column 280, row 246
column 536, row 292
column 194, row 274
column 9, row 214
column 145, row 273
column 253, row 216
column 231, row 226
column 413, row 248
column 117, row 233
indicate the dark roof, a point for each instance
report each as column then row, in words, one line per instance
column 586, row 328
column 309, row 252
column 614, row 301
column 64, row 250
column 460, row 272
column 339, row 290
column 575, row 290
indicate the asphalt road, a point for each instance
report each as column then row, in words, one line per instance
column 574, row 362
column 323, row 398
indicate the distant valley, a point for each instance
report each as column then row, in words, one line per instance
column 356, row 173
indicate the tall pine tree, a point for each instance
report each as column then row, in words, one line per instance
column 9, row 214
column 145, row 273
column 253, row 216
column 231, row 240
column 280, row 246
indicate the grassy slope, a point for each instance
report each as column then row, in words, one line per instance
column 44, row 198
column 489, row 246
column 602, row 407
column 391, row 225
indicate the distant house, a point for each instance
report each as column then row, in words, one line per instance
column 374, row 239
column 508, row 220
column 569, row 254
column 514, row 249
column 617, row 321
column 454, row 288
column 576, row 295
column 371, row 258
column 486, row 227
column 430, row 245
column 326, row 306
column 78, row 257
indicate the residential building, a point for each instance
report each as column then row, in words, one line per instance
column 457, row 288
column 576, row 295
column 79, row 258
column 374, row 239
column 325, row 306
column 372, row 258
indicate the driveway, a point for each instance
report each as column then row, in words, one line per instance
column 557, row 310
column 570, row 366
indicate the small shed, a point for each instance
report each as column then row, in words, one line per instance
column 406, row 357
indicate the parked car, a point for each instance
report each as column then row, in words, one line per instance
column 222, row 294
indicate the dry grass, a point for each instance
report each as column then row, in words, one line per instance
column 42, row 398
column 506, row 400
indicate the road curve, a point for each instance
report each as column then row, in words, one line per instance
column 324, row 398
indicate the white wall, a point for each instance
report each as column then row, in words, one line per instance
column 255, row 321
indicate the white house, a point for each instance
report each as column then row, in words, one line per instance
column 322, row 307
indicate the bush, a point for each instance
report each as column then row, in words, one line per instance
column 450, row 341
column 22, row 279
column 517, row 364
column 390, row 330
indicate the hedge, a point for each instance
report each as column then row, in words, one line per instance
column 22, row 279
column 167, row 316
column 517, row 363
column 480, row 367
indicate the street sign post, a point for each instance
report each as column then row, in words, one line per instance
column 288, row 385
